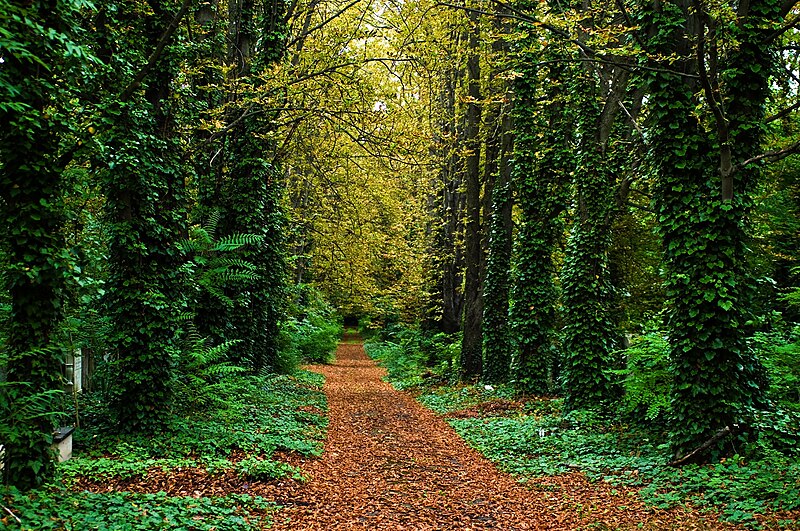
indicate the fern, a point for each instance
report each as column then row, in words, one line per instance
column 208, row 267
column 236, row 241
column 646, row 377
column 202, row 368
column 211, row 224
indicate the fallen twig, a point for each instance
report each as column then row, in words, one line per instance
column 13, row 515
column 702, row 448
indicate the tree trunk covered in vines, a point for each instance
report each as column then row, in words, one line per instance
column 703, row 223
column 31, row 205
column 541, row 169
column 497, row 345
column 252, row 189
column 590, row 333
column 146, row 208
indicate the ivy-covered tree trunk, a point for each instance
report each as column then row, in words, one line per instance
column 252, row 189
column 31, row 209
column 471, row 344
column 590, row 334
column 252, row 205
column 702, row 217
column 541, row 169
column 146, row 209
column 497, row 345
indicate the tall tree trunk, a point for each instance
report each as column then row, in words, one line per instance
column 471, row 344
column 31, row 209
column 497, row 346
column 702, row 223
column 448, row 206
column 541, row 171
column 146, row 206
column 253, row 188
column 590, row 333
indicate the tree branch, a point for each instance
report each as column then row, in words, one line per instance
column 725, row 155
column 785, row 112
column 702, row 448
column 159, row 49
column 772, row 156
column 322, row 24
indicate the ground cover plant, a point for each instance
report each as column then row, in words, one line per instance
column 757, row 484
column 117, row 481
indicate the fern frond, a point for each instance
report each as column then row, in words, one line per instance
column 236, row 241
column 212, row 222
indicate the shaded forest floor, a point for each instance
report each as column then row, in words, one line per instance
column 390, row 463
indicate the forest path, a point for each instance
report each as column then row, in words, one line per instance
column 391, row 464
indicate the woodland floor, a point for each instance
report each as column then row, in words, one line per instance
column 391, row 464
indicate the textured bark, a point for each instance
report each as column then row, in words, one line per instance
column 471, row 345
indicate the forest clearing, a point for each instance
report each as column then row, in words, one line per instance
column 567, row 235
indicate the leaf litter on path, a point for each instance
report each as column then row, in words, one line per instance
column 391, row 464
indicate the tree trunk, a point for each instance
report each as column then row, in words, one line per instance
column 471, row 345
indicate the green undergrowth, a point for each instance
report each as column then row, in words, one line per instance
column 59, row 509
column 256, row 417
column 624, row 446
column 530, row 445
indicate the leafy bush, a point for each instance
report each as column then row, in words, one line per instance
column 254, row 415
column 314, row 329
column 779, row 351
column 412, row 358
column 21, row 410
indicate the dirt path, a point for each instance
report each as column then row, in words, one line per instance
column 391, row 464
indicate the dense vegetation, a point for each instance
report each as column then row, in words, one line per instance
column 531, row 436
column 596, row 203
column 231, row 428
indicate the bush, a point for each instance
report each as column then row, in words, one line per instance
column 646, row 377
column 313, row 331
column 413, row 358
column 779, row 351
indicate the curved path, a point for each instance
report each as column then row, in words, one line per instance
column 390, row 464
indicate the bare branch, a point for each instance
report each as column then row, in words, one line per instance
column 784, row 112
column 721, row 434
column 712, row 95
column 633, row 121
column 772, row 156
column 322, row 24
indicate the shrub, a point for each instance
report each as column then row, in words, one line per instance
column 413, row 358
column 779, row 351
column 646, row 376
column 314, row 329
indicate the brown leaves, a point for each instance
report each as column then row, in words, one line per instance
column 390, row 464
